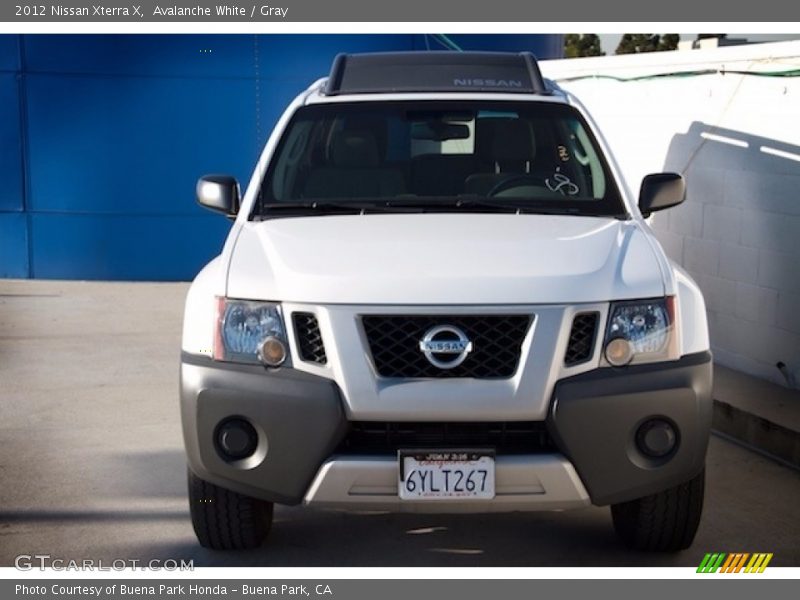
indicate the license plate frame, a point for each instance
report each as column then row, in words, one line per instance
column 436, row 485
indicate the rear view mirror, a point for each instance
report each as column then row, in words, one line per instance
column 219, row 193
column 439, row 131
column 660, row 191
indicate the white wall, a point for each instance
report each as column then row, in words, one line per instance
column 737, row 140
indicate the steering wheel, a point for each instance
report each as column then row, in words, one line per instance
column 517, row 181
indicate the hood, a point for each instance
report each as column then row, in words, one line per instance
column 447, row 258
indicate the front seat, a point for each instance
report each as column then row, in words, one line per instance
column 511, row 153
column 353, row 171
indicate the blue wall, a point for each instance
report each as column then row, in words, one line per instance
column 103, row 137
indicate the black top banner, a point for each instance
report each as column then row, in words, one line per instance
column 447, row 11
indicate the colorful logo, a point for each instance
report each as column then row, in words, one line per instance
column 735, row 562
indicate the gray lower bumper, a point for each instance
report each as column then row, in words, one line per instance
column 523, row 483
column 298, row 418
column 594, row 418
column 300, row 421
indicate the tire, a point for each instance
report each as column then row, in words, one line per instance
column 664, row 522
column 225, row 520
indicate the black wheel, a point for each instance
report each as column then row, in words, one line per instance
column 663, row 522
column 225, row 520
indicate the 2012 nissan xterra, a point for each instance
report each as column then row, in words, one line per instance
column 439, row 295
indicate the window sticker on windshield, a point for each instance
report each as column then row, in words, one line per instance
column 563, row 153
column 562, row 184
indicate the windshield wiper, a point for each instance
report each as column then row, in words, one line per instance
column 491, row 205
column 325, row 207
column 316, row 206
column 453, row 204
column 525, row 207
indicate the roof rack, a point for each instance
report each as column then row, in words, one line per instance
column 435, row 71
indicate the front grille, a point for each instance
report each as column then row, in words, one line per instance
column 581, row 338
column 496, row 344
column 517, row 437
column 309, row 338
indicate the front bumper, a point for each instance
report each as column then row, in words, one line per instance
column 300, row 421
column 522, row 483
column 594, row 417
column 298, row 417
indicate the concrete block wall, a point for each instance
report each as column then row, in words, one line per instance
column 736, row 138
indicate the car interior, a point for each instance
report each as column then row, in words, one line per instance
column 432, row 154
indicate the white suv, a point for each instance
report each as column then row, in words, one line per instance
column 439, row 295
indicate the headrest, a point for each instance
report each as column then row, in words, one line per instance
column 484, row 136
column 512, row 141
column 354, row 149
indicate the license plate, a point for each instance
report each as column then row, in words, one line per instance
column 446, row 475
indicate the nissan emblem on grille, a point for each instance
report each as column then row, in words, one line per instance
column 445, row 340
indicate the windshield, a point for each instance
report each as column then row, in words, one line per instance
column 520, row 156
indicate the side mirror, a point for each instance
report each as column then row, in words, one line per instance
column 660, row 191
column 219, row 193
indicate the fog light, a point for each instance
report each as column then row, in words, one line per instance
column 619, row 352
column 656, row 438
column 236, row 439
column 272, row 352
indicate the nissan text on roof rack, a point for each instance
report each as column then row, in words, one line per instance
column 438, row 295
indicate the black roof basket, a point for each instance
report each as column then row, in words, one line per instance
column 385, row 72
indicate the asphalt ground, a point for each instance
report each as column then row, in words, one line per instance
column 92, row 466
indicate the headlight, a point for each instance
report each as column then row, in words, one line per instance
column 250, row 332
column 641, row 331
